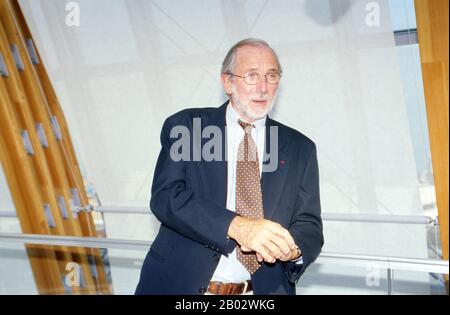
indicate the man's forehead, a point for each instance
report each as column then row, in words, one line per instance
column 249, row 56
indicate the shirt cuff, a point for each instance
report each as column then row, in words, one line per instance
column 298, row 261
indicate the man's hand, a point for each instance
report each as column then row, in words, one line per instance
column 268, row 239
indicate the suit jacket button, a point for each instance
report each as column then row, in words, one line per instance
column 202, row 290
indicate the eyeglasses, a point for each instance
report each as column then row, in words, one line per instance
column 253, row 78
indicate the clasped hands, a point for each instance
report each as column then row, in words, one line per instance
column 269, row 240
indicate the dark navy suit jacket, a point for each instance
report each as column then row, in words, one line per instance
column 189, row 199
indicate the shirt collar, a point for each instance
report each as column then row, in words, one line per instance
column 232, row 117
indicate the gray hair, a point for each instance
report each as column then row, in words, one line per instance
column 228, row 64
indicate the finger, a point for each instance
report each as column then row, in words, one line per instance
column 265, row 254
column 259, row 257
column 281, row 243
column 285, row 257
column 282, row 232
column 273, row 249
column 292, row 254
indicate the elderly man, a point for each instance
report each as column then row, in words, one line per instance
column 243, row 222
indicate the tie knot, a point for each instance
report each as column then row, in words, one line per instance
column 246, row 126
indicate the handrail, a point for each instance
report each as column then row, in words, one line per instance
column 7, row 214
column 343, row 217
column 382, row 262
column 378, row 218
column 347, row 217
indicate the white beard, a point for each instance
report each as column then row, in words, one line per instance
column 246, row 110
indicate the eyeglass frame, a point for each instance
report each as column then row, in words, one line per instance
column 259, row 76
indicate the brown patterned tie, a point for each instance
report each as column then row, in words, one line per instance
column 248, row 189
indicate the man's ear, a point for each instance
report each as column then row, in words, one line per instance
column 226, row 82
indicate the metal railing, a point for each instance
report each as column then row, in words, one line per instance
column 343, row 217
column 347, row 217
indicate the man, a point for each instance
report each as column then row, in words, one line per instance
column 232, row 224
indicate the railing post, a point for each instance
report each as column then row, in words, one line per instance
column 390, row 274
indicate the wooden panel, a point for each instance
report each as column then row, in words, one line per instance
column 69, row 163
column 66, row 151
column 50, row 167
column 47, row 175
column 432, row 30
column 27, row 199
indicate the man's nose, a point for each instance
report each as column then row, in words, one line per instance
column 262, row 85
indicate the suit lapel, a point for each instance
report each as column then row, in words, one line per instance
column 272, row 182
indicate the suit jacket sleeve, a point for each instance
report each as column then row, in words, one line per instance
column 179, row 208
column 306, row 225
